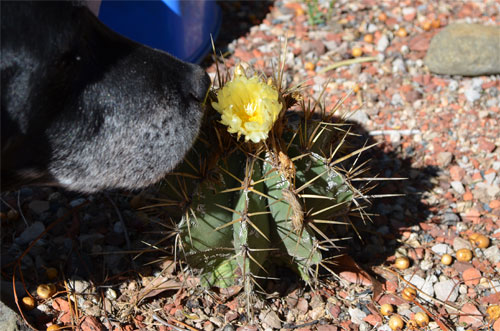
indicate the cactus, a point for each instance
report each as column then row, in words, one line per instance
column 247, row 206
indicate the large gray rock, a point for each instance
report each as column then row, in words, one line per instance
column 9, row 320
column 465, row 49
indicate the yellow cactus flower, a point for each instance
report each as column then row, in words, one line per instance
column 248, row 106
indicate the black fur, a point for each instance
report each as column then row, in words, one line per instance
column 86, row 108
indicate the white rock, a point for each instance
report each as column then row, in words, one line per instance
column 415, row 280
column 492, row 254
column 426, row 265
column 458, row 187
column 441, row 249
column 446, row 290
column 383, row 43
column 492, row 190
column 472, row 94
column 489, row 178
column 357, row 315
column 453, row 85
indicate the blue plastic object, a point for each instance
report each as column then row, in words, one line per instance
column 180, row 27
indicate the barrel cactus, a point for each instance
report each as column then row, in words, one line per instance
column 252, row 197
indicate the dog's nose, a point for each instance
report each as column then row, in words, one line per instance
column 199, row 83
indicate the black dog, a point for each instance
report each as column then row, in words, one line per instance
column 85, row 108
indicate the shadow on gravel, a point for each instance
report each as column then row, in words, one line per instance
column 373, row 242
column 89, row 245
column 393, row 215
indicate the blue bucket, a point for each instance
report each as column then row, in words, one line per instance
column 180, row 27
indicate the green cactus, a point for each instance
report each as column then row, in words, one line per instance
column 257, row 205
column 248, row 206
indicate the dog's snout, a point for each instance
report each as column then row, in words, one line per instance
column 199, row 83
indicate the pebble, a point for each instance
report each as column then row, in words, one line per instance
column 446, row 290
column 80, row 286
column 450, row 218
column 441, row 249
column 270, row 318
column 458, row 187
column 472, row 94
column 398, row 66
column 489, row 178
column 426, row 265
column 492, row 254
column 357, row 315
column 30, row 233
column 39, row 206
column 459, row 243
column 77, row 202
column 444, row 158
column 383, row 43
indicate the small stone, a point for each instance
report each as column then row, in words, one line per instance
column 444, row 158
column 80, row 286
column 490, row 177
column 492, row 190
column 426, row 265
column 470, row 316
column 327, row 328
column 271, row 319
column 459, row 243
column 383, row 43
column 457, row 173
column 398, row 65
column 30, row 233
column 357, row 315
column 417, row 281
column 39, row 206
column 458, row 187
column 302, row 305
column 373, row 319
column 492, row 254
column 77, row 202
column 360, row 116
column 420, row 43
column 91, row 323
column 397, row 100
column 446, row 290
column 471, row 277
column 441, row 249
column 247, row 328
column 454, row 50
column 409, row 13
column 468, row 196
column 494, row 204
column 450, row 218
column 472, row 94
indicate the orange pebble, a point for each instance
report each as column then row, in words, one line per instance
column 357, row 52
column 401, row 32
column 436, row 23
column 309, row 66
column 368, row 38
column 426, row 25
